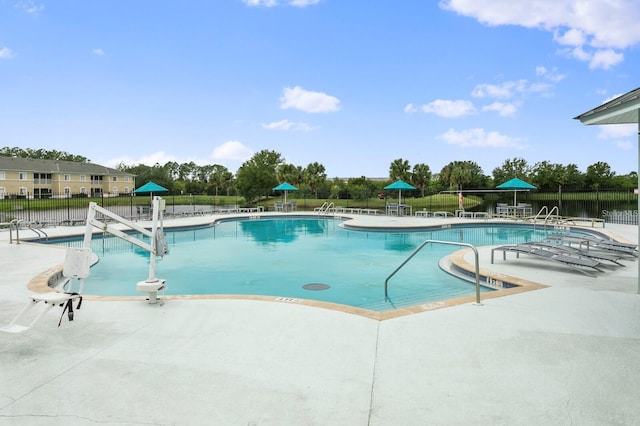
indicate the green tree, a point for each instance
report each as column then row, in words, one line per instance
column 399, row 169
column 459, row 174
column 186, row 171
column 42, row 154
column 155, row 173
column 257, row 176
column 421, row 177
column 599, row 174
column 315, row 176
column 220, row 179
column 289, row 173
column 515, row 167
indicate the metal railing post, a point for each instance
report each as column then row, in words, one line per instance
column 451, row 243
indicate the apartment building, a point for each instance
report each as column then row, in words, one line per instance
column 35, row 178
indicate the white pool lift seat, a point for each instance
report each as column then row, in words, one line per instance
column 76, row 266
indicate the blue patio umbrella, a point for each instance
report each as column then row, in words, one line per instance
column 517, row 185
column 286, row 187
column 400, row 185
column 150, row 188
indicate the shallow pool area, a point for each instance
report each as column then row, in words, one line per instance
column 314, row 258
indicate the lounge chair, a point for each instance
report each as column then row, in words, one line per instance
column 592, row 242
column 575, row 262
column 590, row 254
column 76, row 266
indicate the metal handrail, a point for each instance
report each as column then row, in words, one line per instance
column 542, row 210
column 555, row 208
column 451, row 243
column 324, row 208
column 16, row 223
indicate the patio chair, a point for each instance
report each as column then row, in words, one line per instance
column 76, row 267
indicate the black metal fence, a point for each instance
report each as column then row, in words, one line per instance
column 61, row 210
column 613, row 205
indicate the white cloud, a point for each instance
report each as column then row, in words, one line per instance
column 625, row 145
column 504, row 90
column 571, row 37
column 595, row 28
column 449, row 109
column 503, row 109
column 303, row 3
column 308, row 101
column 605, row 59
column 30, row 7
column 230, row 154
column 479, row 138
column 260, row 3
column 98, row 52
column 410, row 108
column 159, row 157
column 550, row 75
column 231, row 150
column 6, row 53
column 287, row 125
column 617, row 131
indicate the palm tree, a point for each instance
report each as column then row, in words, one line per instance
column 421, row 177
column 399, row 169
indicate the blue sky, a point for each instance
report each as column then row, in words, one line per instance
column 351, row 84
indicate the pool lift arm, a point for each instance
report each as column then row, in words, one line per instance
column 156, row 247
column 78, row 262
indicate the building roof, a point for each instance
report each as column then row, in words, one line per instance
column 621, row 110
column 56, row 166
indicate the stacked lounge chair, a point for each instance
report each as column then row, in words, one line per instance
column 583, row 264
column 588, row 257
column 592, row 242
column 591, row 254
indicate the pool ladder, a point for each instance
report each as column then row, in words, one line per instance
column 325, row 208
column 18, row 223
column 450, row 243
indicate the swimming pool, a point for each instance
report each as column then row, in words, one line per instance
column 298, row 257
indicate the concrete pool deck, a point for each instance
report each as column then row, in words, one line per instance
column 565, row 354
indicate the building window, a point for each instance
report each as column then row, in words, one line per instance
column 127, row 190
column 2, row 192
column 22, row 191
column 67, row 177
column 115, row 178
column 67, row 191
column 2, row 176
column 83, row 190
column 22, row 175
column 83, row 178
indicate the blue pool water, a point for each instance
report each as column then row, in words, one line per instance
column 279, row 256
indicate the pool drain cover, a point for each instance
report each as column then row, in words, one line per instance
column 315, row 286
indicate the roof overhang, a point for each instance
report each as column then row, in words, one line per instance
column 622, row 110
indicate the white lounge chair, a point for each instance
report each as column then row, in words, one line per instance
column 77, row 263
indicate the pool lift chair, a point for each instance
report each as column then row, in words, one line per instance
column 76, row 267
